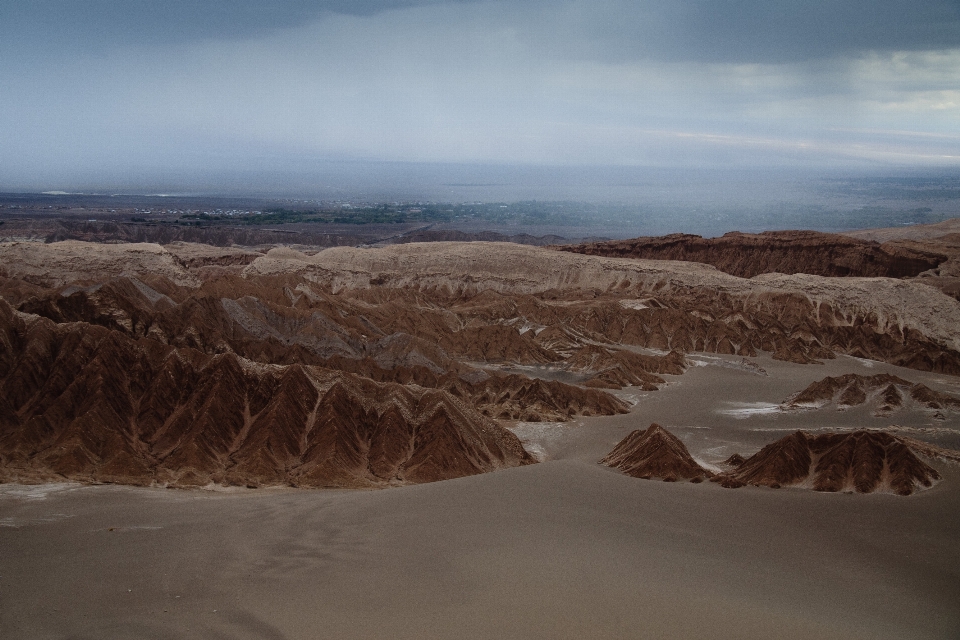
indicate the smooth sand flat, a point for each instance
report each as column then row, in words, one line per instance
column 562, row 549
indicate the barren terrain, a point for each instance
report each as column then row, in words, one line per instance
column 824, row 405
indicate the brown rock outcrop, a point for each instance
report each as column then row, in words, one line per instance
column 885, row 392
column 496, row 343
column 861, row 461
column 512, row 303
column 60, row 263
column 747, row 255
column 87, row 403
column 618, row 368
column 514, row 397
column 498, row 395
column 655, row 453
column 136, row 376
column 735, row 460
column 941, row 237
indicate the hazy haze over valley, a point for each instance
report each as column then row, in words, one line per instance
column 303, row 98
column 382, row 319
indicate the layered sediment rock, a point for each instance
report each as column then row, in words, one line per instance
column 87, row 403
column 940, row 237
column 747, row 255
column 498, row 395
column 884, row 392
column 61, row 263
column 655, row 453
column 514, row 397
column 662, row 304
column 425, row 328
column 861, row 461
column 512, row 303
column 618, row 368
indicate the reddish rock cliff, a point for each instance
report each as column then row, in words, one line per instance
column 746, row 254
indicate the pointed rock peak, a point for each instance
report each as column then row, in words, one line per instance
column 735, row 460
column 655, row 430
column 655, row 453
column 862, row 461
column 885, row 392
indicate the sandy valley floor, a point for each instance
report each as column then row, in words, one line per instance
column 562, row 549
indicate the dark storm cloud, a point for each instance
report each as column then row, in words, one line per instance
column 672, row 30
column 754, row 31
column 105, row 85
column 792, row 30
column 102, row 24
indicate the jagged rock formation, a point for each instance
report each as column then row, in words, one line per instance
column 618, row 368
column 735, row 460
column 747, row 255
column 514, row 397
column 861, row 461
column 885, row 392
column 416, row 326
column 931, row 450
column 497, row 343
column 660, row 304
column 498, row 395
column 83, row 402
column 267, row 318
column 655, row 453
column 510, row 303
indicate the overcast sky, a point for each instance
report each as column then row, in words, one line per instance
column 94, row 89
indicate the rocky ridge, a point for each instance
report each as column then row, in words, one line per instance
column 655, row 453
column 861, row 461
column 694, row 307
column 747, row 255
column 73, row 262
column 421, row 326
column 884, row 392
column 942, row 237
column 86, row 403
column 618, row 368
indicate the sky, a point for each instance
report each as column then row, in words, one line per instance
column 99, row 92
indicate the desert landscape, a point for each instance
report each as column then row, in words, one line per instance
column 753, row 436
column 479, row 320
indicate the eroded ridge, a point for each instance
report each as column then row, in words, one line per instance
column 861, row 461
column 86, row 403
column 487, row 332
column 748, row 254
column 655, row 453
column 884, row 393
column 484, row 301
